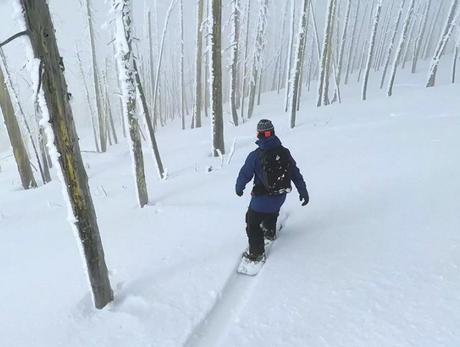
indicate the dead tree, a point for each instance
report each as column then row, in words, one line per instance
column 215, row 79
column 15, row 136
column 55, row 97
column 128, row 82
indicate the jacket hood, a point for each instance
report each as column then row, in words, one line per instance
column 270, row 143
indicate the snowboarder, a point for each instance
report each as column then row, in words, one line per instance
column 273, row 168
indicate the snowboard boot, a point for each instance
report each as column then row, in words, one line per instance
column 254, row 257
column 269, row 234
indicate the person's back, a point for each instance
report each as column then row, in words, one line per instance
column 269, row 191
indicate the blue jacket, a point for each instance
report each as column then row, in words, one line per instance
column 252, row 168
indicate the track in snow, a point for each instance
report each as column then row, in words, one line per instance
column 213, row 329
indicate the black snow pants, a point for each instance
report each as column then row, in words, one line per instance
column 256, row 224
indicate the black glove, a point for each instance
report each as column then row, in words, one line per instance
column 304, row 198
column 239, row 193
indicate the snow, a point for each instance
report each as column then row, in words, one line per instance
column 373, row 260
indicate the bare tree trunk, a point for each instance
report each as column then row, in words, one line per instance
column 418, row 44
column 96, row 81
column 302, row 37
column 88, row 99
column 448, row 28
column 370, row 56
column 160, row 59
column 454, row 64
column 235, row 54
column 258, row 54
column 245, row 60
column 46, row 178
column 198, row 64
column 149, row 123
column 429, row 41
column 128, row 81
column 392, row 43
column 216, row 79
column 352, row 45
column 400, row 47
column 323, row 85
column 40, row 27
column 182, row 49
column 289, row 56
column 15, row 136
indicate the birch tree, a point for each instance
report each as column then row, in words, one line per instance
column 446, row 33
column 124, row 36
column 66, row 148
column 215, row 80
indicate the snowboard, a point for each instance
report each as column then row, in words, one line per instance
column 252, row 268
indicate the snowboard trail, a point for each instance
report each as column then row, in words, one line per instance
column 214, row 327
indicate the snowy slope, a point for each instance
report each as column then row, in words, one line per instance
column 373, row 260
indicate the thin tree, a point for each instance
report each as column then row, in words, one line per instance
column 234, row 60
column 96, row 79
column 402, row 41
column 323, row 85
column 446, row 33
column 370, row 55
column 43, row 167
column 15, row 136
column 215, row 79
column 392, row 44
column 182, row 49
column 289, row 56
column 418, row 44
column 198, row 65
column 258, row 54
column 61, row 125
column 127, row 77
column 245, row 58
column 301, row 40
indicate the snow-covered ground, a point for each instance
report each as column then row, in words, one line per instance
column 373, row 260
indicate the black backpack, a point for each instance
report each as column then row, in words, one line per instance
column 276, row 168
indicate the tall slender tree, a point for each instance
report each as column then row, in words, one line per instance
column 15, row 136
column 215, row 79
column 126, row 62
column 61, row 125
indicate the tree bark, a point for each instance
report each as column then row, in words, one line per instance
column 216, row 79
column 198, row 65
column 42, row 36
column 128, row 80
